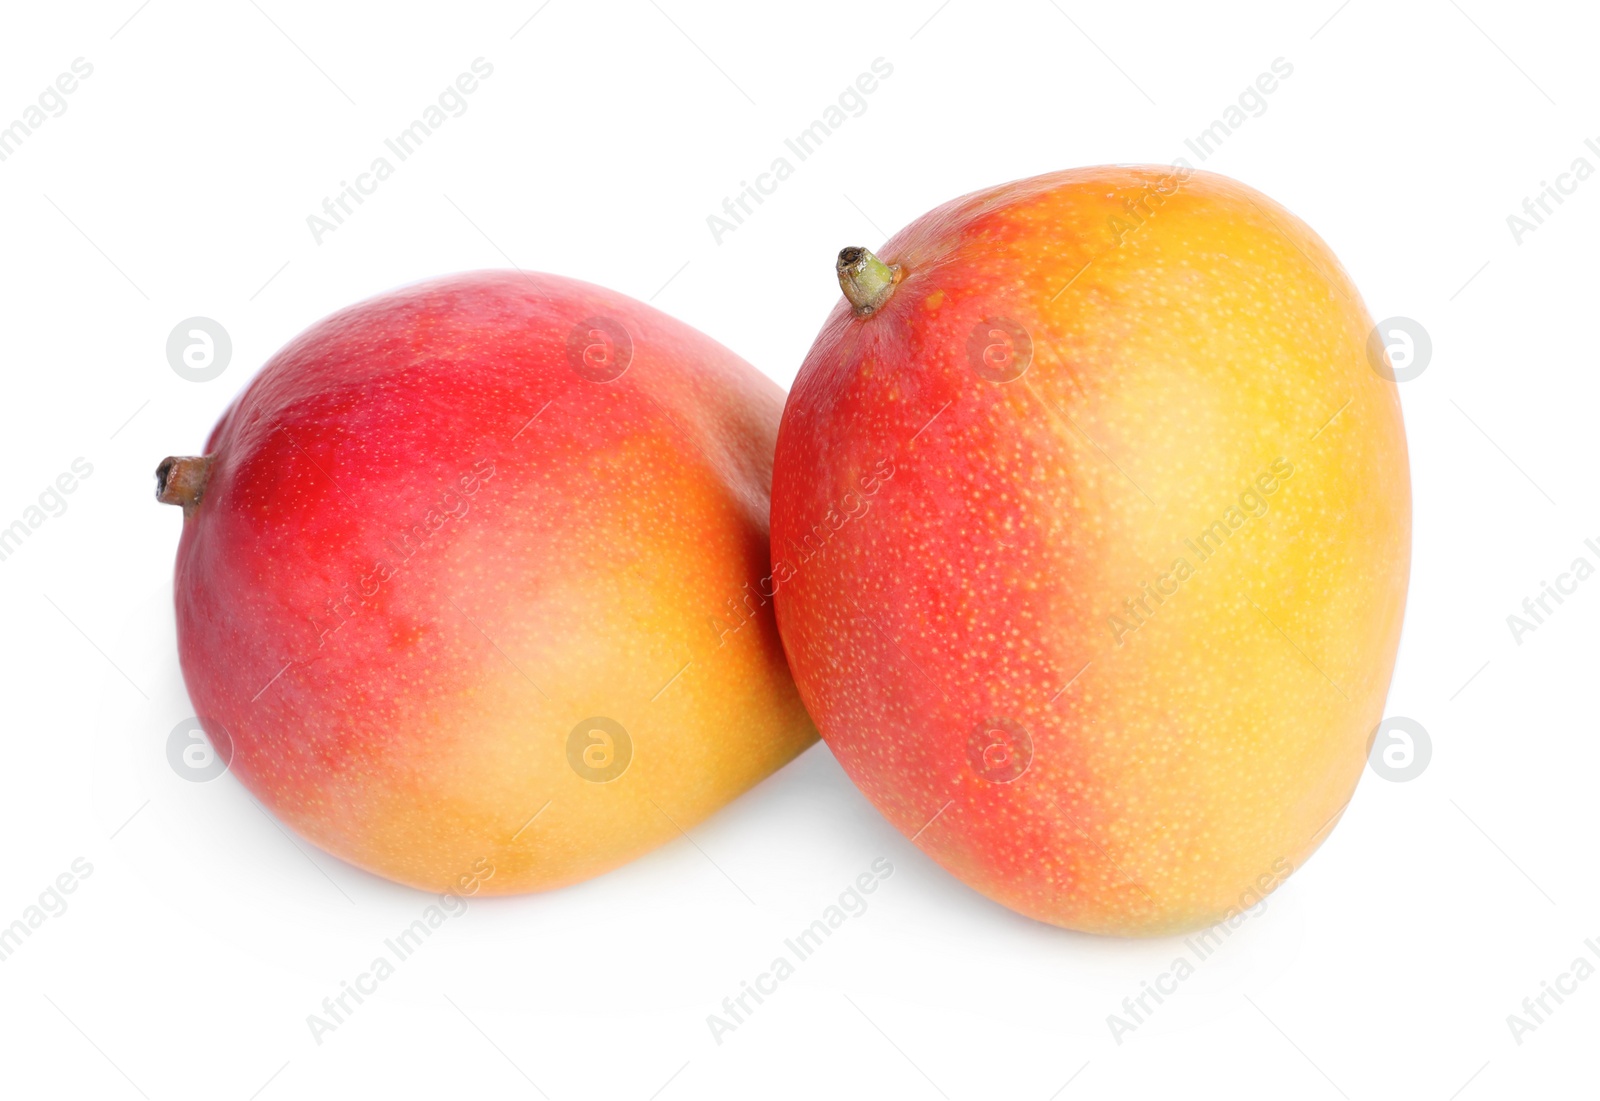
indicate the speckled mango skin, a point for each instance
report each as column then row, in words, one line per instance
column 964, row 557
column 429, row 548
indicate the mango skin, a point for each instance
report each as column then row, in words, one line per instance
column 979, row 568
column 436, row 539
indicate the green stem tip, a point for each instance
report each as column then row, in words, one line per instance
column 866, row 281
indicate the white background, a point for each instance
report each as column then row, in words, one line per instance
column 178, row 182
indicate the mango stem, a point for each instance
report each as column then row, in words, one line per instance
column 866, row 281
column 181, row 480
